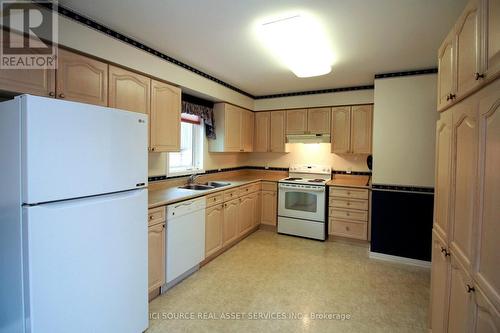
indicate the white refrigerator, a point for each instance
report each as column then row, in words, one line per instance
column 73, row 218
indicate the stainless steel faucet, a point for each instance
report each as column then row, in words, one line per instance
column 192, row 178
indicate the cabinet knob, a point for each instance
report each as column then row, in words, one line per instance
column 62, row 96
column 150, row 217
column 348, row 214
column 479, row 76
column 153, row 149
column 348, row 204
column 453, row 96
column 470, row 289
column 52, row 94
column 347, row 228
column 445, row 252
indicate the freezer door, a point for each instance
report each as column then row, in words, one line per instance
column 86, row 264
column 72, row 150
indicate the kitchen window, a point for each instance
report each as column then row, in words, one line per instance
column 190, row 158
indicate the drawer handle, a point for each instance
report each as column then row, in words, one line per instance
column 348, row 214
column 215, row 199
column 347, row 228
column 479, row 76
column 348, row 204
column 150, row 217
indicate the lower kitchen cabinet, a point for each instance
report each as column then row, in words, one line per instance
column 231, row 216
column 156, row 256
column 486, row 317
column 214, row 222
column 348, row 212
column 461, row 289
column 258, row 209
column 439, row 284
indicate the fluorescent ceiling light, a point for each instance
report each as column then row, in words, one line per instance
column 300, row 43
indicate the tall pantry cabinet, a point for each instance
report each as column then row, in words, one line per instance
column 465, row 282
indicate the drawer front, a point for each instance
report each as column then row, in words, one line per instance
column 349, row 203
column 247, row 189
column 347, row 192
column 349, row 214
column 156, row 215
column 269, row 186
column 231, row 194
column 357, row 230
column 215, row 199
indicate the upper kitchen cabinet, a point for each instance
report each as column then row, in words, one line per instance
column 296, row 121
column 165, row 117
column 361, row 129
column 234, row 129
column 318, row 120
column 492, row 38
column 40, row 82
column 128, row 90
column 82, row 79
column 310, row 121
column 341, row 130
column 262, row 132
column 468, row 49
column 352, row 129
column 277, row 137
column 446, row 68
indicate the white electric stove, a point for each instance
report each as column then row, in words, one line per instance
column 302, row 201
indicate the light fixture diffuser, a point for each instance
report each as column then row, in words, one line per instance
column 300, row 43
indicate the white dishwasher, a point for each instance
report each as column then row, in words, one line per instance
column 185, row 239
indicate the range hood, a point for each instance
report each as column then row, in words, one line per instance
column 308, row 138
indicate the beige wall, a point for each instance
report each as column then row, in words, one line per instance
column 300, row 153
column 404, row 130
column 317, row 100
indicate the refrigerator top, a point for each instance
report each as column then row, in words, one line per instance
column 72, row 150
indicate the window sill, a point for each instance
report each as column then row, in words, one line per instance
column 185, row 173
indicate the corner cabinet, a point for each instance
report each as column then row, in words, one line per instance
column 234, row 129
column 351, row 129
column 128, row 90
column 81, row 79
column 165, row 117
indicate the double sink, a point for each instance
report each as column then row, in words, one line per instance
column 205, row 186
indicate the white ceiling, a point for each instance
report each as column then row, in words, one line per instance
column 218, row 37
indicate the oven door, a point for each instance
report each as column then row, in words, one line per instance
column 305, row 202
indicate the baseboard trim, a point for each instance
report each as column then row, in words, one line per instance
column 400, row 260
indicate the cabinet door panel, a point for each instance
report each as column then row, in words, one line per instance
column 361, row 129
column 40, row 82
column 318, row 120
column 487, row 318
column 493, row 38
column 443, row 174
column 440, row 283
column 460, row 300
column 296, row 121
column 446, row 66
column 247, row 128
column 82, row 79
column 128, row 90
column 269, row 208
column 214, row 220
column 246, row 214
column 165, row 117
column 277, row 144
column 464, row 150
column 231, row 215
column 262, row 131
column 258, row 209
column 468, row 48
column 341, row 130
column 232, row 134
column 488, row 274
column 156, row 256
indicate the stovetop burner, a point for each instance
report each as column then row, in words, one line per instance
column 317, row 180
column 293, row 178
